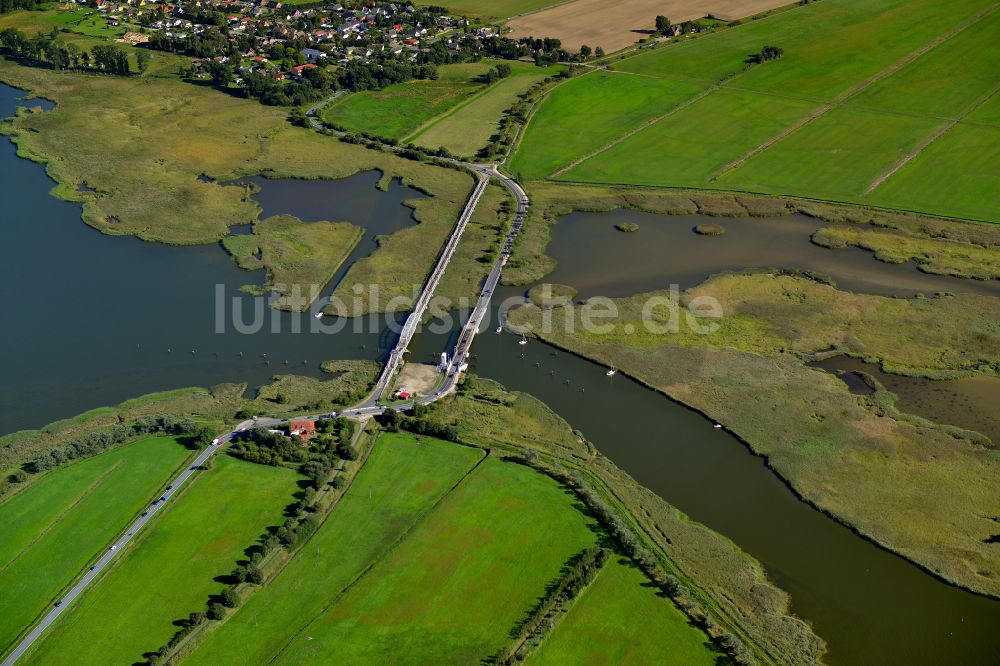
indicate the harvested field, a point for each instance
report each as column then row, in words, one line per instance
column 614, row 26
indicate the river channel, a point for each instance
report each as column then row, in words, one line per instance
column 90, row 319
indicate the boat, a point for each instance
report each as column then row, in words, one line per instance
column 717, row 426
column 523, row 340
column 500, row 328
column 319, row 314
column 611, row 371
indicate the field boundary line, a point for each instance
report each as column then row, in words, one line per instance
column 516, row 143
column 380, row 557
column 206, row 629
column 62, row 514
column 628, row 135
column 421, row 129
column 924, row 145
column 857, row 89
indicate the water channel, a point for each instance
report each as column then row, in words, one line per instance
column 89, row 320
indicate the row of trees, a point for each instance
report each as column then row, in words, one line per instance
column 95, row 442
column 11, row 5
column 583, row 568
column 419, row 424
column 47, row 49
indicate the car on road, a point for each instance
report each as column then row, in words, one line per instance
column 163, row 499
column 146, row 513
column 170, row 486
column 114, row 547
column 59, row 603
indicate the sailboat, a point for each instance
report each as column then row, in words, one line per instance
column 523, row 340
column 611, row 371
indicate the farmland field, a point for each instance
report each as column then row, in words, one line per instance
column 587, row 113
column 863, row 92
column 400, row 481
column 495, row 9
column 466, row 575
column 398, row 110
column 606, row 614
column 615, row 25
column 53, row 528
column 200, row 537
column 468, row 127
column 678, row 151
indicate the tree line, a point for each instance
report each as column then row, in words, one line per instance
column 11, row 5
column 95, row 442
column 46, row 49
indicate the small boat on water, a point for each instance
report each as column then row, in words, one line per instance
column 523, row 340
column 319, row 314
column 611, row 371
column 717, row 426
column 500, row 328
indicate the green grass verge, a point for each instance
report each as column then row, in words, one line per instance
column 604, row 627
column 53, row 528
column 171, row 571
column 401, row 480
column 454, row 589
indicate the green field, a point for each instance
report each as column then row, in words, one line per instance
column 678, row 150
column 889, row 73
column 469, row 126
column 400, row 481
column 399, row 110
column 834, row 157
column 171, row 570
column 53, row 528
column 587, row 113
column 466, row 575
column 604, row 626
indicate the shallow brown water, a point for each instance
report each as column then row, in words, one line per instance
column 597, row 259
column 971, row 402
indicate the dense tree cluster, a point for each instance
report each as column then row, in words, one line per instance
column 11, row 5
column 262, row 446
column 96, row 442
column 393, row 421
column 47, row 49
column 765, row 54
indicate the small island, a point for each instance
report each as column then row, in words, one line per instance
column 710, row 229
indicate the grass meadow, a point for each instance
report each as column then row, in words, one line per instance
column 621, row 619
column 401, row 480
column 892, row 74
column 678, row 150
column 399, row 110
column 454, row 589
column 53, row 528
column 469, row 126
column 174, row 566
column 587, row 113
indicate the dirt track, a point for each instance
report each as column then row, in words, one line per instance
column 615, row 25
